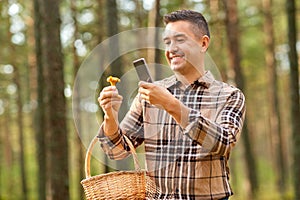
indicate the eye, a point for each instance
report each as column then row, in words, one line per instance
column 180, row 40
column 167, row 42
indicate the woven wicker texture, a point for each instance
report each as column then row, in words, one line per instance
column 118, row 185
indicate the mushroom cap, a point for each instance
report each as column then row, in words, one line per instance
column 113, row 80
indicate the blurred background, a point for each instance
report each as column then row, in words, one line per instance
column 44, row 42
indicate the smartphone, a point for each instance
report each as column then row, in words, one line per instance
column 142, row 70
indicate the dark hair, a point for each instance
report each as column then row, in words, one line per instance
column 196, row 18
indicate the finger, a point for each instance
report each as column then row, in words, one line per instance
column 145, row 84
column 143, row 91
column 110, row 104
column 144, row 97
column 111, row 97
column 109, row 88
column 107, row 103
column 106, row 90
column 113, row 101
column 108, row 94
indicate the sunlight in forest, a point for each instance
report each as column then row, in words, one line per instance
column 50, row 81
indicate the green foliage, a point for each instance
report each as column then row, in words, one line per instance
column 18, row 51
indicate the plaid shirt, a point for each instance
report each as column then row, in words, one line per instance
column 190, row 162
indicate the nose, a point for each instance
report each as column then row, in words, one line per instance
column 172, row 48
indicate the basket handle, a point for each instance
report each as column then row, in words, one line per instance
column 88, row 156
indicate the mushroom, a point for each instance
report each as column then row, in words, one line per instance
column 113, row 80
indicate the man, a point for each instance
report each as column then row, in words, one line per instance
column 188, row 122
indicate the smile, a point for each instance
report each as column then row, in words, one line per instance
column 176, row 58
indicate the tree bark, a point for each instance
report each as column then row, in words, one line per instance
column 58, row 142
column 78, row 143
column 157, row 59
column 116, row 67
column 8, row 151
column 16, row 80
column 21, row 135
column 40, row 120
column 113, row 29
column 274, row 113
column 157, row 53
column 294, row 92
column 218, row 42
column 154, row 55
column 232, row 29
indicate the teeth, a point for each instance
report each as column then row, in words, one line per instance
column 176, row 57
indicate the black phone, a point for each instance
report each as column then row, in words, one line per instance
column 142, row 70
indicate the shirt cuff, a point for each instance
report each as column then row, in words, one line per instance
column 191, row 129
column 194, row 115
column 111, row 141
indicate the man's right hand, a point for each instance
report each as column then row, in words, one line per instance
column 110, row 102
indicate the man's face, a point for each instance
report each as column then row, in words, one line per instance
column 182, row 48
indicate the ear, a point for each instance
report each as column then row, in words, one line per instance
column 204, row 43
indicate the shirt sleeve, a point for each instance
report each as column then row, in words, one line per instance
column 132, row 125
column 219, row 136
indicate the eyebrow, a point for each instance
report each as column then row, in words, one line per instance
column 177, row 35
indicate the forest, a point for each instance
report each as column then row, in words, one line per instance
column 55, row 57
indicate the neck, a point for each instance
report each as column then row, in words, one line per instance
column 189, row 78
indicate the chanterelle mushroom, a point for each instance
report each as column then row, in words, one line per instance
column 113, row 80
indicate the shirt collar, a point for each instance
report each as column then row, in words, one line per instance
column 206, row 80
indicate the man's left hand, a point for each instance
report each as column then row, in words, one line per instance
column 155, row 94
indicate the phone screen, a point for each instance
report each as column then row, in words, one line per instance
column 142, row 70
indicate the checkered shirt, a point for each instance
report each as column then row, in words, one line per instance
column 190, row 162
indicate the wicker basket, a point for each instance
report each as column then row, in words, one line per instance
column 120, row 184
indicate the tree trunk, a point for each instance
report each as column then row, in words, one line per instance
column 16, row 80
column 116, row 67
column 40, row 120
column 232, row 29
column 8, row 151
column 58, row 143
column 76, row 104
column 139, row 22
column 294, row 93
column 21, row 135
column 113, row 29
column 154, row 54
column 274, row 113
column 157, row 60
column 218, row 43
column 1, row 153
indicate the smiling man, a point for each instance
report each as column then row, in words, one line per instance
column 188, row 122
